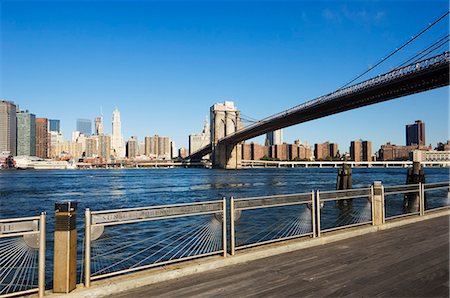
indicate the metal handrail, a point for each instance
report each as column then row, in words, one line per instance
column 40, row 230
column 210, row 207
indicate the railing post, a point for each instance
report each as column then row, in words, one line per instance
column 65, row 247
column 313, row 214
column 87, row 249
column 421, row 198
column 232, row 228
column 41, row 266
column 224, row 227
column 318, row 212
column 377, row 203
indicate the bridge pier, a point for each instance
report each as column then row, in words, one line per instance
column 225, row 120
column 227, row 157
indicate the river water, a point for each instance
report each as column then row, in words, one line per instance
column 27, row 193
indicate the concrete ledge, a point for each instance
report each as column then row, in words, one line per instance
column 123, row 283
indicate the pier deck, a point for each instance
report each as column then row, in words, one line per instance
column 408, row 261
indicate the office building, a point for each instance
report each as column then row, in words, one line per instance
column 84, row 126
column 54, row 125
column 91, row 146
column 132, row 147
column 99, row 125
column 42, row 138
column 26, row 133
column 55, row 138
column 104, row 147
column 198, row 141
column 8, row 129
column 415, row 134
column 274, row 138
column 117, row 143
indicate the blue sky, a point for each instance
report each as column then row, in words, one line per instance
column 163, row 64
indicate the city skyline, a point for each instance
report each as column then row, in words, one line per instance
column 172, row 93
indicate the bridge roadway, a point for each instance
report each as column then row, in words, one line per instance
column 407, row 261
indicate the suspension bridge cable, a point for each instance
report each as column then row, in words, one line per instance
column 397, row 50
column 419, row 55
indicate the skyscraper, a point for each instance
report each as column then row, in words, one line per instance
column 158, row 147
column 104, row 147
column 54, row 125
column 42, row 137
column 132, row 147
column 99, row 125
column 84, row 126
column 8, row 130
column 274, row 138
column 26, row 133
column 197, row 141
column 415, row 133
column 117, row 143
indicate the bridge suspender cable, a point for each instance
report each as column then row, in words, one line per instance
column 397, row 50
column 428, row 50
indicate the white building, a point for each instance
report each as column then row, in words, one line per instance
column 117, row 143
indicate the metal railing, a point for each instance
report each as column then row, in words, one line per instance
column 291, row 223
column 396, row 198
column 440, row 199
column 22, row 256
column 352, row 208
column 151, row 236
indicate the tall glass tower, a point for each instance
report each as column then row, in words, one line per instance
column 84, row 126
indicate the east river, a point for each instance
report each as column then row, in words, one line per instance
column 27, row 193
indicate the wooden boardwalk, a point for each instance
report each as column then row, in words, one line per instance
column 409, row 261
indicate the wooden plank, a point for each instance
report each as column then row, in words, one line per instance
column 407, row 261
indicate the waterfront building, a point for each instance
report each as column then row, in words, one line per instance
column 99, row 125
column 443, row 146
column 415, row 134
column 68, row 150
column 274, row 138
column 430, row 156
column 54, row 125
column 326, row 150
column 183, row 153
column 91, row 147
column 80, row 138
column 198, row 141
column 8, row 127
column 26, row 133
column 55, row 138
column 42, row 138
column 305, row 151
column 279, row 152
column 84, row 126
column 158, row 147
column 132, row 147
column 361, row 150
column 393, row 152
column 104, row 147
column 117, row 143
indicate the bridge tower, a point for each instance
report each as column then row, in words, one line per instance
column 225, row 120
